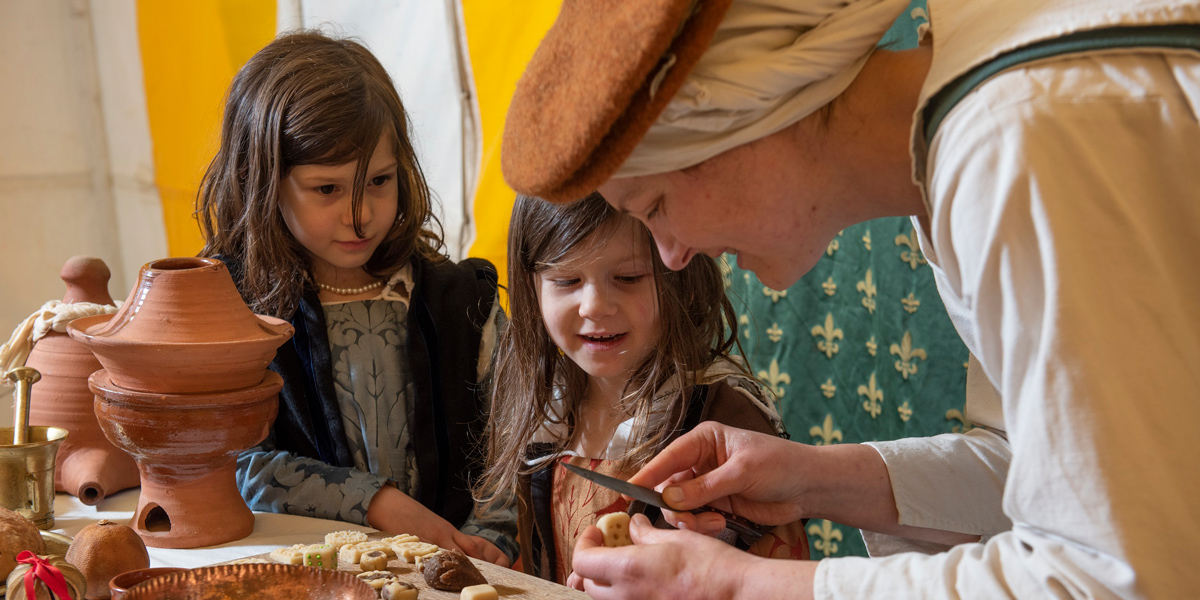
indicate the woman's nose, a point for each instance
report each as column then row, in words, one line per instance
column 597, row 302
column 674, row 254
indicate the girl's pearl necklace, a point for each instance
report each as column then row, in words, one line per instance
column 350, row 291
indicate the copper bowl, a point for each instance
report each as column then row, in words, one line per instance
column 121, row 584
column 258, row 581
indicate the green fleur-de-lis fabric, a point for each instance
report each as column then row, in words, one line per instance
column 859, row 349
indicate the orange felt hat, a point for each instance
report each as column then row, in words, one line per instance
column 595, row 86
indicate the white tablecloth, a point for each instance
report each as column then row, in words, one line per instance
column 271, row 530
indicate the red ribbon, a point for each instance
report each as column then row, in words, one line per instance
column 40, row 568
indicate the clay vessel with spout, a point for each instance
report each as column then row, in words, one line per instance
column 88, row 466
column 184, row 389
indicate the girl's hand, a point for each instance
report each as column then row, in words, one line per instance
column 681, row 564
column 395, row 512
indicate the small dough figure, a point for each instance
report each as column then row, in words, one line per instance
column 321, row 556
column 375, row 560
column 479, row 592
column 399, row 590
column 378, row 579
column 615, row 527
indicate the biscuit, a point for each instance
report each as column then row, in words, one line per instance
column 398, row 590
column 479, row 592
column 615, row 527
column 291, row 555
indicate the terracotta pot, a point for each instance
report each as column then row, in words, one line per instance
column 186, row 447
column 88, row 466
column 183, row 329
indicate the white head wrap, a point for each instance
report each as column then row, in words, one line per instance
column 770, row 64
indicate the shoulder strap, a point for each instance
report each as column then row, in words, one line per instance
column 1180, row 36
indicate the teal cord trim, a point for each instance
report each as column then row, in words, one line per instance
column 1185, row 37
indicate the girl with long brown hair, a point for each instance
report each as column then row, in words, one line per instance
column 317, row 203
column 609, row 355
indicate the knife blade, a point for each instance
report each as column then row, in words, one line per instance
column 747, row 530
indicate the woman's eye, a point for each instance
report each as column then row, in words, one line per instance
column 327, row 189
column 381, row 180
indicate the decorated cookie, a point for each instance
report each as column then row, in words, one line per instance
column 409, row 551
column 337, row 539
column 292, row 555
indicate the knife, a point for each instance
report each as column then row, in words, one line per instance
column 748, row 531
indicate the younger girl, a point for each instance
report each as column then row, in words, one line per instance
column 609, row 356
column 316, row 202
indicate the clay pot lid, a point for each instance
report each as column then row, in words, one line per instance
column 181, row 301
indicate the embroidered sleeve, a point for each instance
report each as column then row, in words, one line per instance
column 276, row 481
column 497, row 524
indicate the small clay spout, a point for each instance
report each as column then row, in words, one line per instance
column 87, row 280
column 24, row 378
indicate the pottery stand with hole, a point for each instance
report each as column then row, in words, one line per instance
column 88, row 466
column 184, row 389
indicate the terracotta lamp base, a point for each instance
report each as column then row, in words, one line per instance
column 168, row 516
column 186, row 448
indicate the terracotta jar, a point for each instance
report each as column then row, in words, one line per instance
column 185, row 389
column 183, row 329
column 88, row 465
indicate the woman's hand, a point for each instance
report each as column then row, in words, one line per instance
column 396, row 512
column 753, row 475
column 681, row 564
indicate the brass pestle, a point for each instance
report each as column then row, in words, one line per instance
column 24, row 378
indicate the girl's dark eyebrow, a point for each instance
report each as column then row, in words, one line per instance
column 391, row 166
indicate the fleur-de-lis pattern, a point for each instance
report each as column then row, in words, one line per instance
column 829, row 333
column 913, row 255
column 874, row 402
column 822, row 404
column 774, row 333
column 867, row 287
column 827, row 536
column 825, row 435
column 911, row 304
column 829, row 286
column 774, row 295
column 828, row 388
column 908, row 355
column 775, row 379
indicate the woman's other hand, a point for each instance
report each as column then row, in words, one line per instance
column 681, row 564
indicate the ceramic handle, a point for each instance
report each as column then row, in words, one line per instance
column 24, row 378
